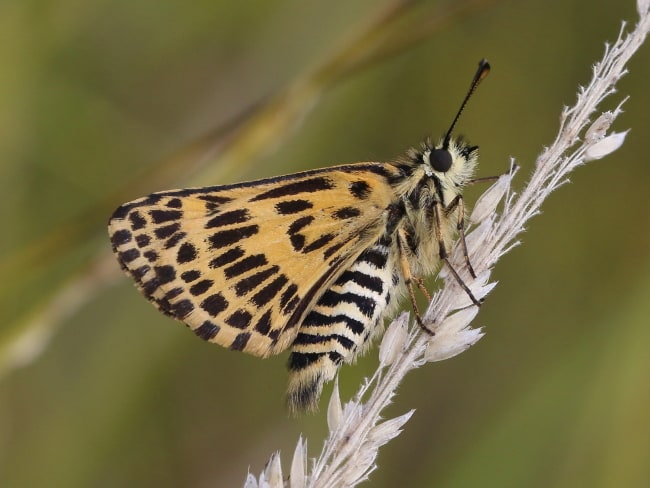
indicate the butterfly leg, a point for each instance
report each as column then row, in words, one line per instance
column 420, row 282
column 437, row 208
column 458, row 203
column 409, row 279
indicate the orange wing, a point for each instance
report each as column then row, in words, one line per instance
column 243, row 264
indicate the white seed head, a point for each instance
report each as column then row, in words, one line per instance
column 458, row 321
column 605, row 146
column 488, row 201
column 272, row 474
column 446, row 345
column 297, row 478
column 394, row 339
column 477, row 236
column 250, row 482
column 384, row 432
column 599, row 128
column 334, row 408
column 364, row 464
column 453, row 336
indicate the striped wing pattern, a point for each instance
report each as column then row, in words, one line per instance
column 251, row 266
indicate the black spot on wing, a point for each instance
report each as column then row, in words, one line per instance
column 288, row 295
column 240, row 341
column 165, row 274
column 140, row 272
column 297, row 241
column 129, row 255
column 152, row 199
column 149, row 287
column 120, row 237
column 309, row 185
column 142, row 240
column 292, row 206
column 160, row 216
column 346, row 213
column 318, row 243
column 288, row 308
column 240, row 319
column 213, row 198
column 175, row 203
column 226, row 258
column 173, row 293
column 214, row 304
column 274, row 334
column 167, row 230
column 263, row 325
column 247, row 264
column 228, row 218
column 151, row 256
column 201, row 287
column 300, row 223
column 189, row 276
column 121, row 212
column 268, row 293
column 174, row 240
column 207, row 330
column 182, row 308
column 245, row 286
column 332, row 249
column 231, row 236
column 186, row 253
column 137, row 220
column 360, row 189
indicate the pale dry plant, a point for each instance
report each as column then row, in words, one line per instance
column 356, row 428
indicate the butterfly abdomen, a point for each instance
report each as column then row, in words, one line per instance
column 341, row 324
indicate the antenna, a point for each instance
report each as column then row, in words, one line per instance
column 481, row 72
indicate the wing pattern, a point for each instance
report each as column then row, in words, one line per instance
column 243, row 265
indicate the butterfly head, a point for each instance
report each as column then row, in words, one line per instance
column 453, row 164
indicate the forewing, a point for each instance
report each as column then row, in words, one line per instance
column 242, row 264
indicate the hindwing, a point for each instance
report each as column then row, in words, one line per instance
column 243, row 264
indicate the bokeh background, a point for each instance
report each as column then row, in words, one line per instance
column 103, row 101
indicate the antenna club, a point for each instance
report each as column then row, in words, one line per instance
column 483, row 69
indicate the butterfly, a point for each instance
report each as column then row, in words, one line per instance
column 312, row 261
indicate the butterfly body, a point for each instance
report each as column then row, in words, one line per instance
column 311, row 261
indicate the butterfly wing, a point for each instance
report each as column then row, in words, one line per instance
column 243, row 264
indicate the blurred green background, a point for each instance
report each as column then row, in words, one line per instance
column 104, row 101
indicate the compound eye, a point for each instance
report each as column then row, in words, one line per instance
column 440, row 160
